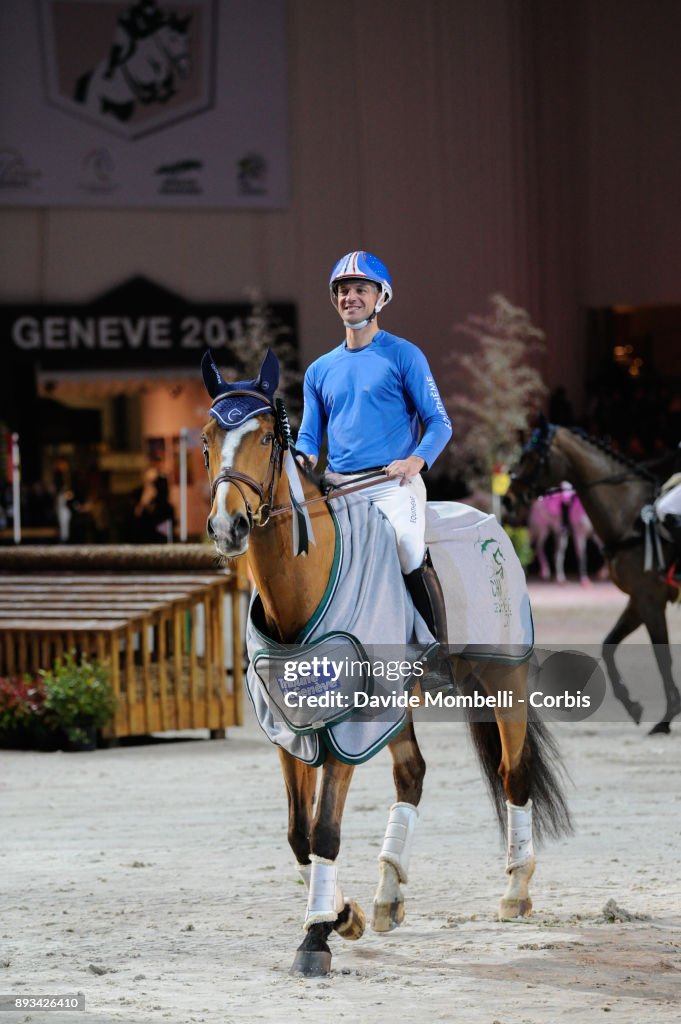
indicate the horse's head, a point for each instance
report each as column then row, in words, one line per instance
column 539, row 467
column 242, row 445
column 149, row 73
column 157, row 52
column 173, row 39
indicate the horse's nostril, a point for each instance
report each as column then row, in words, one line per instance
column 209, row 529
column 240, row 527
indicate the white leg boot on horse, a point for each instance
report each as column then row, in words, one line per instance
column 520, row 863
column 409, row 771
column 394, row 867
column 324, row 897
column 349, row 920
column 517, row 753
column 314, row 835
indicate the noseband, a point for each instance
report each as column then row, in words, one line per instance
column 541, row 445
column 264, row 490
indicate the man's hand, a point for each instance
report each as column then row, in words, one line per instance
column 405, row 468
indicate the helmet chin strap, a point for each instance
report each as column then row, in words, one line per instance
column 361, row 324
column 365, row 323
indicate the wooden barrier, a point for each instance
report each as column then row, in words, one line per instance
column 173, row 638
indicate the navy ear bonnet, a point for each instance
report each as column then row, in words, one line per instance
column 542, row 435
column 231, row 410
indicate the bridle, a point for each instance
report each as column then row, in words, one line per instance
column 264, row 490
column 281, row 443
column 540, row 444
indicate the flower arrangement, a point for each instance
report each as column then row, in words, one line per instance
column 22, row 710
column 79, row 698
column 64, row 706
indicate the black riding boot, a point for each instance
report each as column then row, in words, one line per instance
column 426, row 593
column 672, row 524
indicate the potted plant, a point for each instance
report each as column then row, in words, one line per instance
column 23, row 722
column 78, row 700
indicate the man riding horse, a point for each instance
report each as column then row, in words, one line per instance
column 368, row 395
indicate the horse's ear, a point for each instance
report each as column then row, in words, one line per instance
column 212, row 378
column 268, row 378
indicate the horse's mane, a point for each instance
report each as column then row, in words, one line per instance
column 640, row 469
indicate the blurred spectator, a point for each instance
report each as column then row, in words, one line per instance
column 153, row 514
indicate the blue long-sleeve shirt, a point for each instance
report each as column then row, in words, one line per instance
column 370, row 401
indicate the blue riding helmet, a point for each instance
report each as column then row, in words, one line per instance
column 362, row 266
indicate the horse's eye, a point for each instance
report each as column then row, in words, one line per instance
column 267, row 439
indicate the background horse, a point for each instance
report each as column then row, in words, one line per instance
column 244, row 446
column 561, row 516
column 148, row 56
column 613, row 490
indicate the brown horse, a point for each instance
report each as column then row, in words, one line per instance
column 244, row 445
column 613, row 490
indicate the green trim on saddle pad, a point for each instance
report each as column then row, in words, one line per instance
column 334, row 576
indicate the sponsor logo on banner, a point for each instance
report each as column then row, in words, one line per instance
column 179, row 178
column 15, row 172
column 252, row 175
column 131, row 68
column 98, row 168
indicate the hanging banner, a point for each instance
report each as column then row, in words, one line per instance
column 137, row 324
column 158, row 103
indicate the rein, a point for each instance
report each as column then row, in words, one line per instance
column 360, row 483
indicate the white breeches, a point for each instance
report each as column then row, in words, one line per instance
column 669, row 503
column 404, row 506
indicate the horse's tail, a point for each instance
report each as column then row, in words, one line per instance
column 551, row 816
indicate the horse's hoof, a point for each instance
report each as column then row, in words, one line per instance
column 661, row 729
column 634, row 710
column 310, row 963
column 387, row 916
column 513, row 909
column 351, row 921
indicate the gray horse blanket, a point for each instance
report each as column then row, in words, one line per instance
column 488, row 613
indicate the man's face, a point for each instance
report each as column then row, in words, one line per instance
column 356, row 299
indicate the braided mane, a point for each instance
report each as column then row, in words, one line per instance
column 625, row 460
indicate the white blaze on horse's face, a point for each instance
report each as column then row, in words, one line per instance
column 230, row 529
